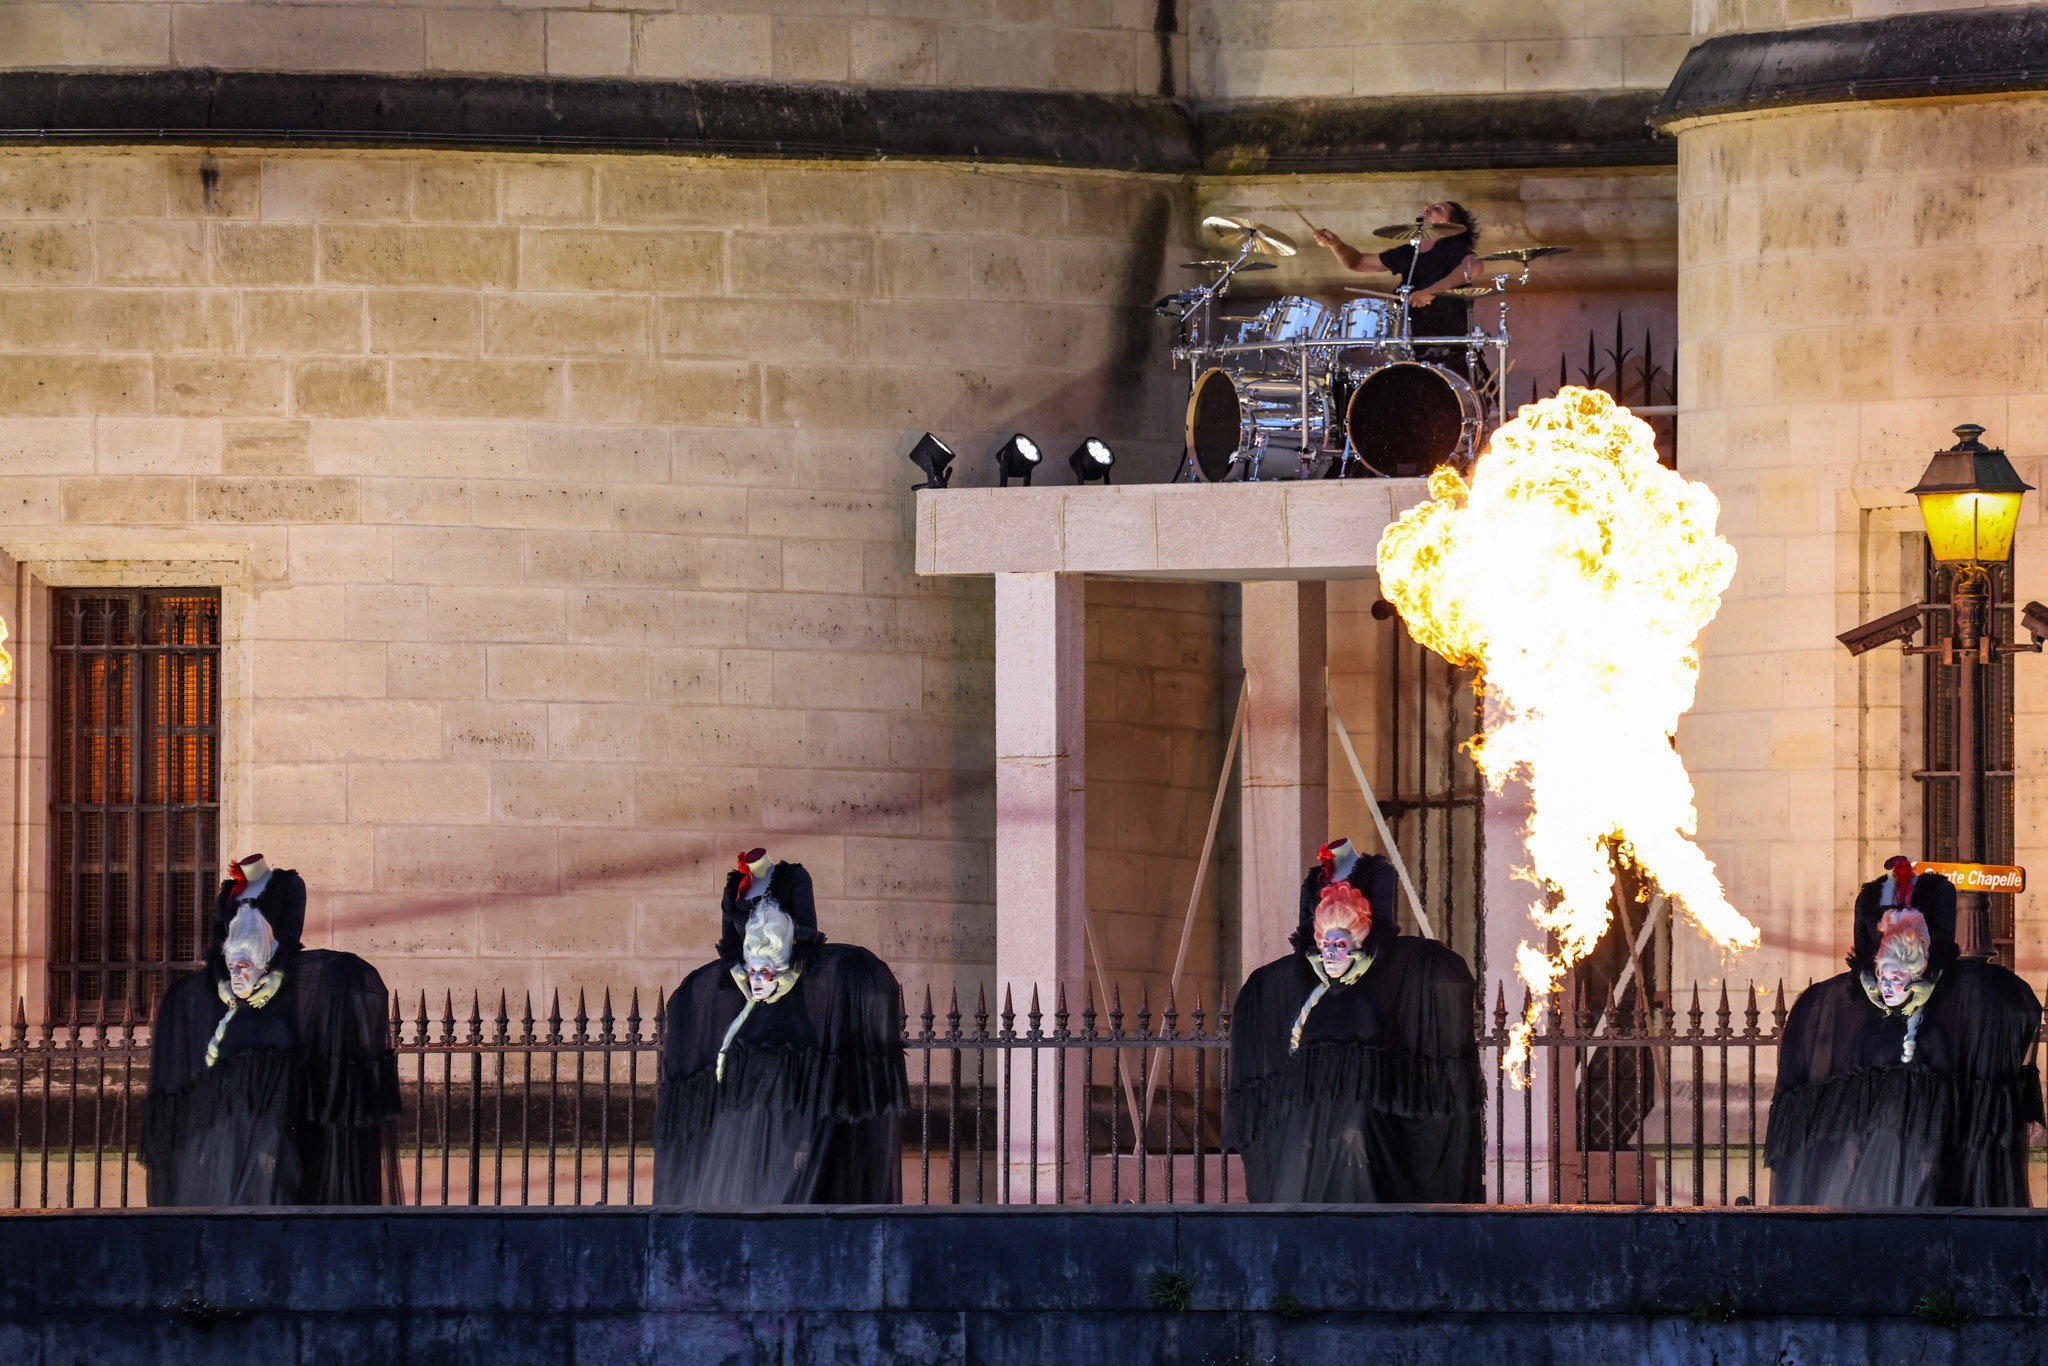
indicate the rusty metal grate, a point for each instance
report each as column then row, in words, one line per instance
column 134, row 794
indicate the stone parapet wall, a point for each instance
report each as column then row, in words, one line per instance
column 570, row 513
column 1272, row 1283
column 1245, row 49
column 1109, row 48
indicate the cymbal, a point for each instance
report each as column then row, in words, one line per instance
column 1235, row 232
column 1219, row 265
column 1401, row 232
column 1525, row 254
column 1470, row 291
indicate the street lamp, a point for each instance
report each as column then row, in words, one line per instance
column 1970, row 503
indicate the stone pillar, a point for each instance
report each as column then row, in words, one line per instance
column 1041, row 763
column 1041, row 847
column 1285, row 811
column 1832, row 332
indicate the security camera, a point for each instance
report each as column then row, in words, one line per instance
column 1899, row 625
column 2034, row 621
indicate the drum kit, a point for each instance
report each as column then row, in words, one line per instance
column 1349, row 391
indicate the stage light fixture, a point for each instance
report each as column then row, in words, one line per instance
column 1016, row 458
column 935, row 458
column 1091, row 460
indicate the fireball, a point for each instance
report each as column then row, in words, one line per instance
column 1576, row 573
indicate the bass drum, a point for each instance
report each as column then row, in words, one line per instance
column 1215, row 424
column 1405, row 419
column 1228, row 412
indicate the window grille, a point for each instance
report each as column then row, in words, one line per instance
column 1939, row 771
column 134, row 795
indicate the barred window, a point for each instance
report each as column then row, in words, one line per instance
column 1940, row 773
column 134, row 794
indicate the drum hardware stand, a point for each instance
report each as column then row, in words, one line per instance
column 1250, row 460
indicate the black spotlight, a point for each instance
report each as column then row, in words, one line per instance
column 1091, row 460
column 935, row 458
column 1016, row 459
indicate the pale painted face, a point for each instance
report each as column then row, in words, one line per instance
column 248, row 949
column 1335, row 948
column 243, row 974
column 760, row 978
column 1893, row 984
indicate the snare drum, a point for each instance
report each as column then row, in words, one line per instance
column 1290, row 319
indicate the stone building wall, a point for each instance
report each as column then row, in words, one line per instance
column 1247, row 49
column 560, row 511
column 1106, row 48
column 1856, row 281
column 1711, row 18
column 1159, row 709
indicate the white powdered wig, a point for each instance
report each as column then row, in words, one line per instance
column 1902, row 942
column 250, row 937
column 770, row 936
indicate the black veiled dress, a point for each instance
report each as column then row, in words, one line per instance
column 1382, row 1101
column 299, row 1108
column 1854, row 1125
column 810, row 1109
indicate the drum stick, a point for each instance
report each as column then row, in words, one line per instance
column 1298, row 214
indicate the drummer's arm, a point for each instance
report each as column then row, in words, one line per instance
column 1349, row 257
column 1461, row 274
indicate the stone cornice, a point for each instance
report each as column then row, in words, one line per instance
column 1905, row 56
column 1431, row 132
column 713, row 118
column 769, row 119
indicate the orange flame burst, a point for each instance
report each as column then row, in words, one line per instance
column 1576, row 572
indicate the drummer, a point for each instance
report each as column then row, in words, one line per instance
column 1446, row 263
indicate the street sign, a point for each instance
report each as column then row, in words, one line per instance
column 1978, row 877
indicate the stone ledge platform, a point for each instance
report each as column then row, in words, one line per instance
column 1438, row 1284
column 1277, row 529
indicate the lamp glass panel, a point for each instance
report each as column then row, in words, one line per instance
column 1970, row 526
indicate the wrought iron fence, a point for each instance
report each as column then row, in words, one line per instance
column 1660, row 1105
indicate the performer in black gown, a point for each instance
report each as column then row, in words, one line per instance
column 782, row 1064
column 1910, row 1078
column 1354, row 1067
column 272, row 1080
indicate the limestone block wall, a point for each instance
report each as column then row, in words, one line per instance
column 1855, row 282
column 1249, row 49
column 1105, row 48
column 1620, row 224
column 1712, row 18
column 562, row 514
column 1158, row 714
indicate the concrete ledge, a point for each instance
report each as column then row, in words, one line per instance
column 944, row 1285
column 1284, row 529
column 1941, row 54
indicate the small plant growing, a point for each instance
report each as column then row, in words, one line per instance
column 1716, row 1308
column 1169, row 1289
column 1942, row 1308
column 1290, row 1308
